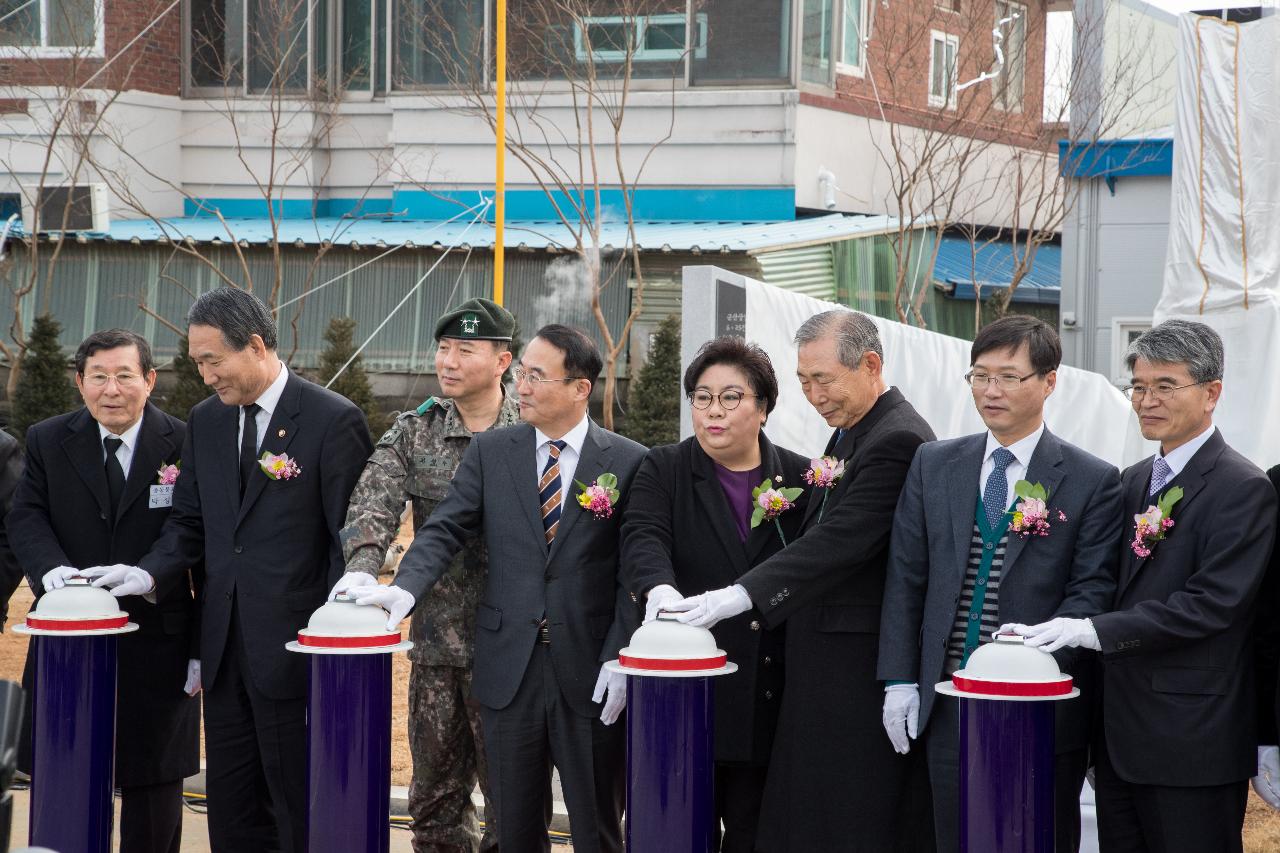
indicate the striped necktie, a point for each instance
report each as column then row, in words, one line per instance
column 1161, row 473
column 549, row 491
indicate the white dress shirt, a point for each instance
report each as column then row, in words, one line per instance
column 124, row 453
column 569, row 456
column 267, row 403
column 1021, row 450
column 1178, row 458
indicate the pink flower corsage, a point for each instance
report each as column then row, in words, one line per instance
column 169, row 474
column 279, row 466
column 600, row 496
column 771, row 502
column 1154, row 525
column 823, row 473
column 1031, row 513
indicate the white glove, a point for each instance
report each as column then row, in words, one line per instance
column 192, row 687
column 396, row 601
column 57, row 578
column 658, row 599
column 612, row 685
column 1267, row 783
column 901, row 715
column 1056, row 634
column 122, row 580
column 711, row 607
column 350, row 581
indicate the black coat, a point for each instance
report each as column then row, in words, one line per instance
column 10, row 474
column 274, row 555
column 835, row 784
column 59, row 518
column 1267, row 643
column 1177, row 664
column 679, row 530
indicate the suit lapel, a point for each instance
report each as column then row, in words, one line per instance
column 1045, row 469
column 706, row 485
column 83, row 446
column 1135, row 501
column 523, row 467
column 279, row 435
column 962, row 495
column 757, row 537
column 154, row 445
column 593, row 461
column 842, row 450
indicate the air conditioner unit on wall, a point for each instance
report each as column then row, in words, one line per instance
column 84, row 206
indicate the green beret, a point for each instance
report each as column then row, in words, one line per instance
column 477, row 320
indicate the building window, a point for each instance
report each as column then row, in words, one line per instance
column 942, row 70
column 815, row 41
column 852, row 32
column 438, row 43
column 1124, row 331
column 646, row 38
column 51, row 28
column 1008, row 86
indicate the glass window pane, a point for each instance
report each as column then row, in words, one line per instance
column 746, row 41
column 217, row 42
column 851, row 53
column 936, row 85
column 593, row 38
column 71, row 23
column 379, row 46
column 21, row 25
column 664, row 36
column 278, row 45
column 815, row 44
column 357, row 44
column 438, row 42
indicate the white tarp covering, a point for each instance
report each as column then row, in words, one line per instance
column 1085, row 410
column 1223, row 261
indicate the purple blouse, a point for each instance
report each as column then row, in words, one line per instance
column 737, row 487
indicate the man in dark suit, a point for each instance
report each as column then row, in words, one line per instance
column 830, row 749
column 92, row 495
column 961, row 562
column 1177, row 743
column 268, row 536
column 10, row 474
column 542, row 636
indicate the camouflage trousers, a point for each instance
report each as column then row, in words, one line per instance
column 448, row 758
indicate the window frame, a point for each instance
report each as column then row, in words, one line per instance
column 44, row 51
column 948, row 100
column 641, row 24
column 1120, row 327
column 842, row 67
column 999, row 97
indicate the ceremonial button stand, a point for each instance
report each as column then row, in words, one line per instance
column 74, row 709
column 1006, row 695
column 349, row 727
column 670, row 736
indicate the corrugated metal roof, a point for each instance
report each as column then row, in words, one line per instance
column 957, row 270
column 652, row 236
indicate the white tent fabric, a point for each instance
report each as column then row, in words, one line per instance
column 928, row 367
column 1223, row 262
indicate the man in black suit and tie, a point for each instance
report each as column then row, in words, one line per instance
column 554, row 608
column 1176, row 749
column 92, row 495
column 10, row 473
column 267, row 469
column 830, row 750
column 961, row 563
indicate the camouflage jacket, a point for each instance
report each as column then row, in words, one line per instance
column 414, row 461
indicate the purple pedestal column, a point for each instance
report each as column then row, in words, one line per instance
column 670, row 765
column 349, row 754
column 1006, row 776
column 73, row 743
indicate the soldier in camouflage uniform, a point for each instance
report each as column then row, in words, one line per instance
column 415, row 461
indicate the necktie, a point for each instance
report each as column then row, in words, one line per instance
column 249, row 445
column 1160, row 474
column 549, row 491
column 115, row 474
column 995, row 499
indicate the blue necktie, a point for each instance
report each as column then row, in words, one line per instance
column 995, row 499
column 549, row 491
column 1160, row 475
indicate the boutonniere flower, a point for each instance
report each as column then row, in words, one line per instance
column 600, row 496
column 1154, row 525
column 1031, row 513
column 772, row 501
column 278, row 466
column 823, row 473
column 169, row 474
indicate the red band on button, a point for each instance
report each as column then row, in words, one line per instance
column 668, row 665
column 76, row 624
column 347, row 642
column 1011, row 688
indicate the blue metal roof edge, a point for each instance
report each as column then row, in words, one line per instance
column 1113, row 158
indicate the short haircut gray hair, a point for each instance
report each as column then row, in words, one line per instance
column 236, row 313
column 1181, row 342
column 855, row 334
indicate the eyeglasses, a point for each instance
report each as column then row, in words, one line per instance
column 1005, row 381
column 1163, row 391
column 123, row 380
column 519, row 374
column 729, row 400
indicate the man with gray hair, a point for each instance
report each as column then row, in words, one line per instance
column 267, row 468
column 826, row 588
column 1176, row 747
